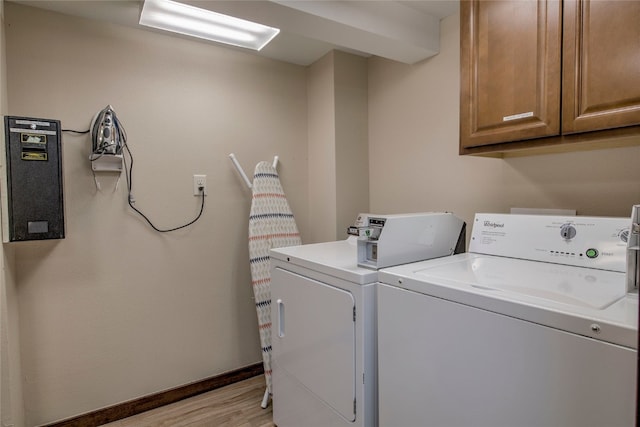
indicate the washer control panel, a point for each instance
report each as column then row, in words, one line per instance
column 595, row 242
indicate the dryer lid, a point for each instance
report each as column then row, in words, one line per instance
column 338, row 259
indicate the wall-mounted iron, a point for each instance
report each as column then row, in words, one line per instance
column 108, row 139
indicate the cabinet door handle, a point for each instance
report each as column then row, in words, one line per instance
column 280, row 318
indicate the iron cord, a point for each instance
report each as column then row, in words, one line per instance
column 76, row 131
column 129, row 178
column 109, row 137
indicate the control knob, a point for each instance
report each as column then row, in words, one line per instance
column 568, row 231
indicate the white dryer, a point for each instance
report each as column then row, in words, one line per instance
column 323, row 336
column 323, row 314
column 533, row 327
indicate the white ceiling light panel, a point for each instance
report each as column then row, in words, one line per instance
column 196, row 22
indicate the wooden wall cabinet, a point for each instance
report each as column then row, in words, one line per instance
column 537, row 75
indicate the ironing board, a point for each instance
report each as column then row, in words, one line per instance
column 271, row 225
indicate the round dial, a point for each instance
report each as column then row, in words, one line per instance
column 568, row 231
column 624, row 235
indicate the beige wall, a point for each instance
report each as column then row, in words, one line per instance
column 415, row 166
column 601, row 183
column 352, row 152
column 337, row 140
column 11, row 403
column 322, row 149
column 116, row 311
column 413, row 138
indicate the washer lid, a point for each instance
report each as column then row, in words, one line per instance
column 577, row 286
column 581, row 300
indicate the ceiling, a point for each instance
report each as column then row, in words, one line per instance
column 405, row 31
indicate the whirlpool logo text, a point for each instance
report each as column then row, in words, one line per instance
column 493, row 224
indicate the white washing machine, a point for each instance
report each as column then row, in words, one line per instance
column 323, row 336
column 323, row 314
column 533, row 327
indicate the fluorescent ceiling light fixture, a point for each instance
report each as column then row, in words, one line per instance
column 196, row 22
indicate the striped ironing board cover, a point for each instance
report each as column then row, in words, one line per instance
column 271, row 225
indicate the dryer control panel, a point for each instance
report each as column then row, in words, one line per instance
column 594, row 242
column 387, row 240
column 633, row 251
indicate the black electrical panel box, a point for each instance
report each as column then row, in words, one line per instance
column 34, row 180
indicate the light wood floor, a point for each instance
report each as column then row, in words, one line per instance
column 236, row 405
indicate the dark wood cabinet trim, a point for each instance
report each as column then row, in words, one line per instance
column 611, row 138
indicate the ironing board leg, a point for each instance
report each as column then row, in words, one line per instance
column 265, row 399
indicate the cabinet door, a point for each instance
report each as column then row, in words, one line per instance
column 601, row 81
column 510, row 71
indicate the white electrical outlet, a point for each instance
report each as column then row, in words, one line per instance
column 199, row 181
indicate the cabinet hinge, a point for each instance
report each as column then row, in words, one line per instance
column 354, row 406
column 354, row 313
